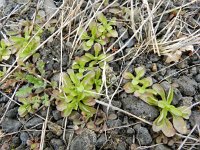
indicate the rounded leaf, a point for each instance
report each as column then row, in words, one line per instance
column 159, row 89
column 129, row 88
column 140, row 71
column 127, row 75
column 168, row 129
column 179, row 124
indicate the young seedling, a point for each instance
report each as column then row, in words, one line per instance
column 164, row 103
column 24, row 45
column 138, row 85
column 76, row 94
column 97, row 58
column 4, row 51
column 90, row 62
column 29, row 95
column 94, row 37
column 106, row 28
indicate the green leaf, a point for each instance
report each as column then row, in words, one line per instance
column 127, row 75
column 90, row 111
column 66, row 80
column 22, row 111
column 101, row 28
column 40, row 66
column 90, row 56
column 168, row 129
column 158, row 88
column 113, row 33
column 83, row 34
column 38, row 83
column 102, row 19
column 89, row 43
column 24, row 91
column 179, row 124
column 129, row 87
column 85, row 47
column 175, row 111
column 93, row 28
column 147, row 81
column 140, row 71
column 170, row 95
column 73, row 76
column 186, row 111
column 67, row 112
column 97, row 49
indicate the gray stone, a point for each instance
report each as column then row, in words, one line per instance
column 187, row 86
column 177, row 94
column 197, row 78
column 11, row 125
column 101, row 140
column 197, row 98
column 86, row 140
column 121, row 146
column 130, row 43
column 12, row 113
column 130, row 131
column 24, row 137
column 139, row 108
column 56, row 115
column 121, row 31
column 193, row 71
column 142, row 135
column 186, row 101
column 114, row 123
column 162, row 147
column 56, row 143
column 33, row 122
column 195, row 118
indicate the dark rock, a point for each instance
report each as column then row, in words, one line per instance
column 116, row 103
column 161, row 147
column 22, row 146
column 56, row 115
column 186, row 101
column 24, row 137
column 10, row 125
column 130, row 131
column 130, row 43
column 114, row 123
column 193, row 71
column 121, row 31
column 33, row 122
column 130, row 140
column 86, row 140
column 197, row 98
column 139, row 108
column 3, row 99
column 12, row 113
column 177, row 94
column 142, row 135
column 154, row 58
column 56, row 129
column 56, row 143
column 197, row 78
column 101, row 140
column 16, row 141
column 121, row 146
column 195, row 118
column 187, row 85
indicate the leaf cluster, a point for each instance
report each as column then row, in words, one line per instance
column 31, row 95
column 164, row 103
column 76, row 93
column 4, row 52
column 99, row 32
column 90, row 61
column 138, row 84
column 155, row 95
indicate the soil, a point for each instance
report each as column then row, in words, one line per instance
column 123, row 132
